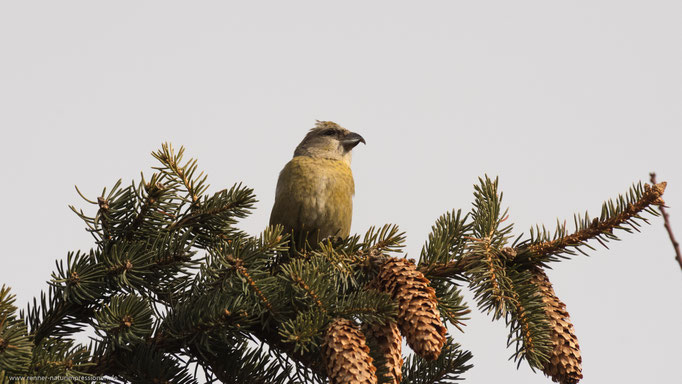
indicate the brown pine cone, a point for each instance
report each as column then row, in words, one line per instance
column 418, row 314
column 565, row 364
column 387, row 341
column 346, row 355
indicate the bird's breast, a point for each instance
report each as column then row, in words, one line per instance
column 315, row 195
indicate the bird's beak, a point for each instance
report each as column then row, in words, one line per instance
column 351, row 140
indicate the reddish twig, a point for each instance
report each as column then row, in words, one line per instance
column 666, row 223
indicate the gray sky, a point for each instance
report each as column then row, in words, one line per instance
column 568, row 102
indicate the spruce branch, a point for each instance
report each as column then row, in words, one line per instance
column 300, row 283
column 308, row 282
column 378, row 241
column 454, row 269
column 241, row 363
column 451, row 303
column 145, row 243
column 145, row 364
column 172, row 166
column 305, row 330
column 446, row 245
column 668, row 227
column 500, row 286
column 369, row 306
column 125, row 320
column 53, row 316
column 15, row 345
column 543, row 246
column 81, row 280
column 196, row 316
column 61, row 357
column 448, row 368
column 213, row 220
column 626, row 211
column 173, row 282
column 528, row 322
column 154, row 199
column 238, row 266
column 488, row 277
column 489, row 281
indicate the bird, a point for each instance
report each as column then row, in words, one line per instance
column 315, row 189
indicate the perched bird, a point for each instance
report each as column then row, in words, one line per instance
column 314, row 196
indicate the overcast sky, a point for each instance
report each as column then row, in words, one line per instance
column 568, row 102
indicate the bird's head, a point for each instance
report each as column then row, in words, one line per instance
column 329, row 141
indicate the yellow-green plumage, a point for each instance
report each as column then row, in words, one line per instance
column 314, row 196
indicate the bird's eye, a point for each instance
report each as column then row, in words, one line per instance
column 329, row 132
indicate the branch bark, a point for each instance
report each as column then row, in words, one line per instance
column 666, row 223
column 652, row 196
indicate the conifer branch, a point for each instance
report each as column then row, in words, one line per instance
column 535, row 250
column 378, row 242
column 102, row 215
column 453, row 269
column 153, row 192
column 15, row 345
column 308, row 361
column 528, row 322
column 194, row 217
column 309, row 291
column 613, row 217
column 238, row 266
column 149, row 306
column 451, row 304
column 171, row 162
column 668, row 227
column 448, row 368
column 56, row 317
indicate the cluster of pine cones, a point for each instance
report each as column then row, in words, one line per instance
column 346, row 351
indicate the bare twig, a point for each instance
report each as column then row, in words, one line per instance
column 666, row 223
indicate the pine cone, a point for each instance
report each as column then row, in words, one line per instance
column 565, row 364
column 346, row 355
column 386, row 341
column 418, row 315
